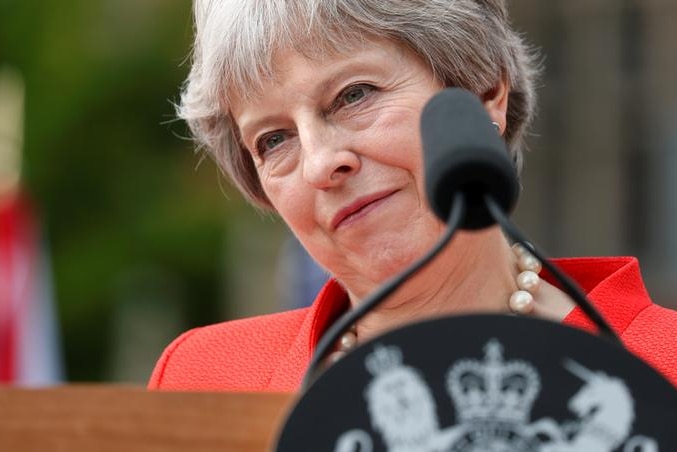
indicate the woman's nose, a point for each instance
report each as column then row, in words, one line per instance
column 328, row 157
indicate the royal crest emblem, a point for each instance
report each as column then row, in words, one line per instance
column 492, row 400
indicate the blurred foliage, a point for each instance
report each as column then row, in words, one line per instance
column 116, row 185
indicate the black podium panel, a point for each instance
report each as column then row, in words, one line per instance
column 486, row 383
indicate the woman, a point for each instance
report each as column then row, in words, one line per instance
column 312, row 109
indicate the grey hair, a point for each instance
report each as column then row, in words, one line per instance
column 466, row 43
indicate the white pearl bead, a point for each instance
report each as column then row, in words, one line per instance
column 529, row 281
column 529, row 262
column 348, row 341
column 521, row 302
column 519, row 250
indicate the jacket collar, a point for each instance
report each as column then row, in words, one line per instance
column 613, row 284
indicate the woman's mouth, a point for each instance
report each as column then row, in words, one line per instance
column 360, row 208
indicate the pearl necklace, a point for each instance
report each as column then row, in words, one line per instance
column 528, row 281
column 521, row 302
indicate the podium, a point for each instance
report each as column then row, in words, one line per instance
column 103, row 418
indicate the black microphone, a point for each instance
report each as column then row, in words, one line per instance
column 471, row 183
column 463, row 153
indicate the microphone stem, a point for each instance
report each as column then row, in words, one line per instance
column 568, row 285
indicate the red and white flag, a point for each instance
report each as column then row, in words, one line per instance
column 30, row 352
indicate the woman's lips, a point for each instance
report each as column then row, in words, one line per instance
column 360, row 208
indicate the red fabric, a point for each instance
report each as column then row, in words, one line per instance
column 270, row 353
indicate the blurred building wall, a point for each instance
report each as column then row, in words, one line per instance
column 600, row 176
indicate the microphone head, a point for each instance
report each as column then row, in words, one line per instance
column 463, row 152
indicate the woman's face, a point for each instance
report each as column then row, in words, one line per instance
column 337, row 148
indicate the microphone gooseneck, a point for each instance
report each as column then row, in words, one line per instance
column 471, row 183
column 568, row 285
column 463, row 153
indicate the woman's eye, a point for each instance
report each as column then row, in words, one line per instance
column 269, row 142
column 354, row 94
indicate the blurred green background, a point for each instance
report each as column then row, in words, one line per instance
column 133, row 223
column 146, row 240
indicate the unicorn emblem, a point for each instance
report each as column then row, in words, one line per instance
column 605, row 411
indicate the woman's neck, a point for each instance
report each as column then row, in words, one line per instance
column 474, row 274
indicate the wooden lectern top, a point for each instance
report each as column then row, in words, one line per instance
column 103, row 418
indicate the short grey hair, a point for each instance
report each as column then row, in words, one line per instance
column 466, row 43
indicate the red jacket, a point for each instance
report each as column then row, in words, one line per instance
column 271, row 352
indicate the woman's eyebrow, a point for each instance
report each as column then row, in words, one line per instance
column 348, row 70
column 249, row 128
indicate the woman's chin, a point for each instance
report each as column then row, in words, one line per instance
column 377, row 268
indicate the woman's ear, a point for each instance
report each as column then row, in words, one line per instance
column 496, row 102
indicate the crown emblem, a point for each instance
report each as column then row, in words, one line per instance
column 493, row 389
